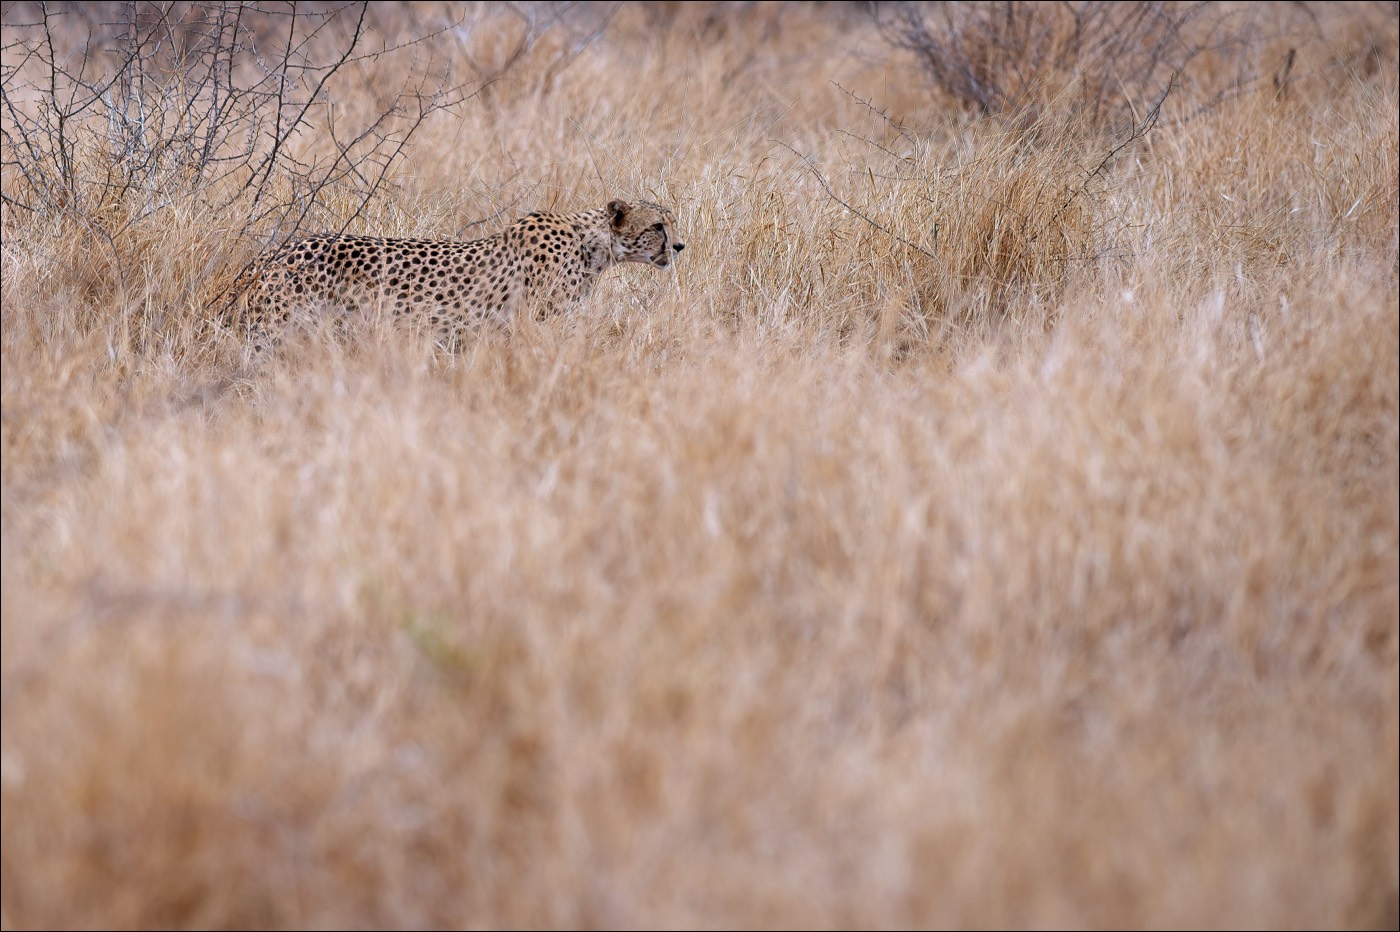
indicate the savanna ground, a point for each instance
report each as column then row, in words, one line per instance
column 991, row 521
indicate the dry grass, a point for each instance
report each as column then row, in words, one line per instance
column 1022, row 554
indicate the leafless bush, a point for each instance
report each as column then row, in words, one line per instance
column 1001, row 56
column 111, row 116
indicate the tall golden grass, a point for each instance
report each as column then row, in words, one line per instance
column 974, row 530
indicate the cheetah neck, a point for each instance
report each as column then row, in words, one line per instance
column 596, row 242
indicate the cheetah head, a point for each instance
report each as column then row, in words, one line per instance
column 643, row 232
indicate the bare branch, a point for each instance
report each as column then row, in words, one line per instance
column 821, row 179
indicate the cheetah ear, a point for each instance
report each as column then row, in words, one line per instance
column 617, row 212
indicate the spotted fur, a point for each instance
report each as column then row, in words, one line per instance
column 542, row 264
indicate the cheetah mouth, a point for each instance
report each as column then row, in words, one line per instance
column 661, row 260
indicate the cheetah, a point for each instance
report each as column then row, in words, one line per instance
column 543, row 263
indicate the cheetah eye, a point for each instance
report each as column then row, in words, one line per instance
column 659, row 227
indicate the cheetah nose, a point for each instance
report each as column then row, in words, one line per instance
column 678, row 247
